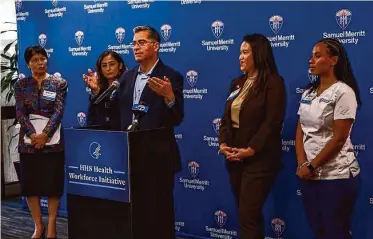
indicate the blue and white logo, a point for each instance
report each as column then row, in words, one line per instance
column 18, row 4
column 57, row 75
column 192, row 77
column 166, row 31
column 94, row 150
column 216, row 125
column 55, row 2
column 42, row 40
column 142, row 108
column 217, row 28
column 79, row 37
column 220, row 218
column 343, row 18
column 278, row 226
column 275, row 22
column 193, row 168
column 82, row 118
column 120, row 33
column 21, row 76
column 311, row 77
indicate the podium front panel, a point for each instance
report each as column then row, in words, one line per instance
column 97, row 164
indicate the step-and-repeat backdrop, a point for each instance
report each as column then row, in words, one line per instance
column 201, row 40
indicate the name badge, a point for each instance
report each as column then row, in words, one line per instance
column 304, row 101
column 308, row 99
column 233, row 94
column 49, row 95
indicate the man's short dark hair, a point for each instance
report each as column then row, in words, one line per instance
column 153, row 34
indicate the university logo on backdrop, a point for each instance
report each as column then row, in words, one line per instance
column 220, row 44
column 21, row 16
column 278, row 226
column 121, row 48
column 194, row 183
column 136, row 4
column 42, row 39
column 120, row 33
column 56, row 11
column 193, row 168
column 96, row 7
column 80, row 50
column 276, row 23
column 311, row 77
column 193, row 93
column 82, row 118
column 54, row 2
column 216, row 125
column 192, row 77
column 168, row 46
column 221, row 218
column 79, row 37
column 18, row 4
column 21, row 76
column 166, row 31
column 213, row 141
column 343, row 18
column 217, row 28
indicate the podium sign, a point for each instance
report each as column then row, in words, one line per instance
column 97, row 164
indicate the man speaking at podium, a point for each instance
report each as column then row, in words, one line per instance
column 158, row 89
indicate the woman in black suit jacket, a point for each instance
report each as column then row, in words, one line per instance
column 106, row 114
column 250, row 132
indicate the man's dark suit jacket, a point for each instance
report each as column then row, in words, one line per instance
column 159, row 114
column 260, row 124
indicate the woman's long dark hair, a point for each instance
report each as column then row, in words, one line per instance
column 264, row 60
column 102, row 81
column 342, row 70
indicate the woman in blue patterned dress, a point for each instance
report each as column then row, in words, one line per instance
column 40, row 103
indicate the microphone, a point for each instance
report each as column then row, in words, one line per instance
column 115, row 85
column 139, row 110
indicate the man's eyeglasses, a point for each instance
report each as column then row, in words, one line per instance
column 141, row 43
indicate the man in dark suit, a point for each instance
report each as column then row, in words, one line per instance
column 151, row 83
column 159, row 87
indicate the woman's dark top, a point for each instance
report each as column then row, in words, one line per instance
column 106, row 114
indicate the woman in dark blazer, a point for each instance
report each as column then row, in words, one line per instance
column 250, row 132
column 106, row 114
column 41, row 151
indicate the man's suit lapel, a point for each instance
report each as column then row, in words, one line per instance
column 133, row 76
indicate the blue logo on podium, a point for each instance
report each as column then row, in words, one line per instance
column 94, row 150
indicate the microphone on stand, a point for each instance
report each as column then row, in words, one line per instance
column 139, row 110
column 115, row 85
